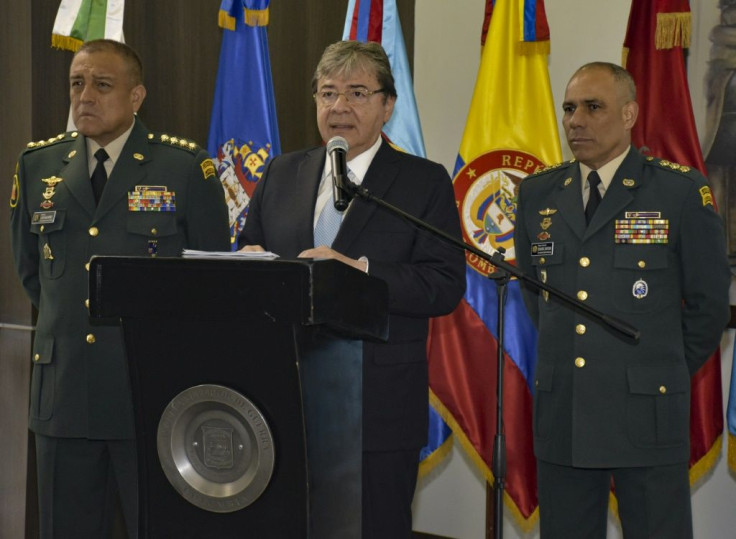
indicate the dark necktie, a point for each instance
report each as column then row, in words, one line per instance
column 594, row 197
column 99, row 176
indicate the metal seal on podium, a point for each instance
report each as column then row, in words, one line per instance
column 215, row 448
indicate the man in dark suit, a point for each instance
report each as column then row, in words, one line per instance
column 162, row 195
column 637, row 238
column 355, row 94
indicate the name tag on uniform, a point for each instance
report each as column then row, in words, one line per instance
column 543, row 249
column 43, row 217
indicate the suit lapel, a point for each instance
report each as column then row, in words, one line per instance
column 309, row 175
column 76, row 178
column 569, row 200
column 381, row 174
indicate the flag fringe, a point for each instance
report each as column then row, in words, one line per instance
column 624, row 56
column 224, row 20
column 65, row 42
column 525, row 524
column 706, row 463
column 673, row 30
column 732, row 452
column 256, row 17
column 435, row 458
column 532, row 48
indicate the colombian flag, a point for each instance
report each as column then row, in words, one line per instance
column 510, row 132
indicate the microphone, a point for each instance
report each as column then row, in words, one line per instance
column 337, row 147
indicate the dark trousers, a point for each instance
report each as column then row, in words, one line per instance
column 389, row 481
column 79, row 482
column 653, row 502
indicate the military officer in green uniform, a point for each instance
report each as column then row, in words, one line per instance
column 145, row 195
column 637, row 238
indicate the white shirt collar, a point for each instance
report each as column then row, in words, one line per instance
column 606, row 172
column 114, row 149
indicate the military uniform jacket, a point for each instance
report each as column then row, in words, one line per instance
column 601, row 400
column 425, row 276
column 80, row 385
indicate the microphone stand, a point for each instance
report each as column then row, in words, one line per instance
column 502, row 276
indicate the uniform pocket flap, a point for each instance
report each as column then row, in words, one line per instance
column 661, row 380
column 152, row 224
column 45, row 222
column 640, row 257
column 547, row 254
column 43, row 350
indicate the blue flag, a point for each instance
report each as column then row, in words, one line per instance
column 244, row 133
column 378, row 21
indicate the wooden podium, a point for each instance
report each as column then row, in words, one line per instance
column 246, row 378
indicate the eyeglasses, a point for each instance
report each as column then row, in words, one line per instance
column 355, row 96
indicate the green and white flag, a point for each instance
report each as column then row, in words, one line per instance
column 83, row 20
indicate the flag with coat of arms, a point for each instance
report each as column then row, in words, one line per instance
column 244, row 133
column 510, row 132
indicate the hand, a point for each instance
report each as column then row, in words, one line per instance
column 251, row 249
column 325, row 252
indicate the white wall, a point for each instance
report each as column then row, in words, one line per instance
column 446, row 54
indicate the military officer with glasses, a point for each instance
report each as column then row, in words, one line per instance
column 354, row 94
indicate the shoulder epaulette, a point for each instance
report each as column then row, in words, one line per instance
column 556, row 166
column 175, row 142
column 61, row 137
column 669, row 165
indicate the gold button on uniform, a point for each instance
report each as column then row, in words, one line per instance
column 584, row 261
column 91, row 338
column 542, row 260
column 93, row 231
column 86, row 266
column 580, row 329
column 86, row 303
column 582, row 295
column 36, row 357
column 154, row 232
column 579, row 362
column 662, row 390
column 641, row 264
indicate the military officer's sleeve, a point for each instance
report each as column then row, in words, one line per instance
column 24, row 243
column 207, row 225
column 705, row 276
column 522, row 250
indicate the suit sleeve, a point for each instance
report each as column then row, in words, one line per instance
column 24, row 243
column 706, row 277
column 207, row 225
column 432, row 281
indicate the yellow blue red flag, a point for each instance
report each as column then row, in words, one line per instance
column 244, row 132
column 510, row 132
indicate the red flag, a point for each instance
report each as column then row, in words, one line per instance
column 657, row 33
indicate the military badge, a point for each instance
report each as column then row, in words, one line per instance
column 151, row 198
column 640, row 289
column 15, row 190
column 641, row 230
column 208, row 168
column 486, row 193
column 706, row 195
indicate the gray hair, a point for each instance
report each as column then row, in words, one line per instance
column 346, row 57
